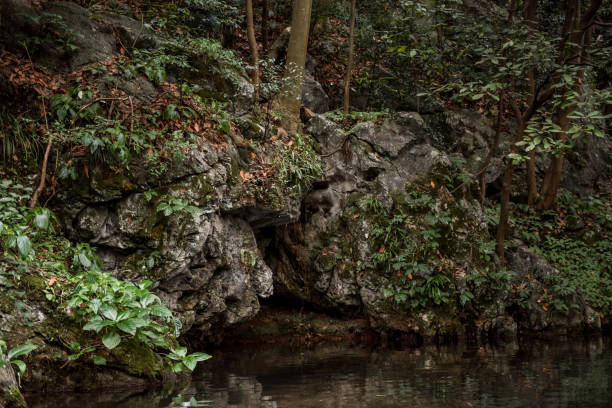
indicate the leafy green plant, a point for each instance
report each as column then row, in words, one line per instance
column 118, row 309
column 153, row 63
column 183, row 360
column 78, row 351
column 457, row 175
column 103, row 304
column 584, row 268
column 11, row 356
column 54, row 34
column 18, row 224
column 148, row 262
column 352, row 117
column 248, row 258
column 15, row 140
column 411, row 260
column 298, row 164
column 415, row 243
column 115, row 308
column 168, row 205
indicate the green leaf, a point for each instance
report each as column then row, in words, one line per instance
column 199, row 356
column 95, row 323
column 145, row 284
column 131, row 325
column 109, row 312
column 42, row 220
column 111, row 340
column 177, row 327
column 190, row 363
column 95, row 305
column 21, row 350
column 84, row 260
column 24, row 245
column 148, row 299
column 21, row 366
column 98, row 360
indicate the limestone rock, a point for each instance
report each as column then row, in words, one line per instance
column 313, row 95
column 326, row 260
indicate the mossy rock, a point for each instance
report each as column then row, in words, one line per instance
column 136, row 358
column 12, row 398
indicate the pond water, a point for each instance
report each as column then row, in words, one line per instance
column 527, row 374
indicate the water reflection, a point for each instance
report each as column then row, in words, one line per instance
column 533, row 374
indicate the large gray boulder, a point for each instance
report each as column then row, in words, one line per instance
column 202, row 256
column 327, row 259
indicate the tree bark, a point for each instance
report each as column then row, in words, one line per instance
column 504, row 213
column 43, row 171
column 579, row 31
column 532, row 183
column 289, row 101
column 349, row 65
column 253, row 47
column 492, row 149
column 265, row 15
column 530, row 15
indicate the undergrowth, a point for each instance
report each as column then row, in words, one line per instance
column 575, row 239
column 31, row 244
column 431, row 254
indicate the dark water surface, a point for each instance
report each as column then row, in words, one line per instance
column 573, row 374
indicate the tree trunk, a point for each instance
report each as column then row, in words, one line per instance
column 504, row 213
column 579, row 30
column 492, row 149
column 530, row 15
column 265, row 15
column 550, row 187
column 349, row 65
column 253, row 47
column 289, row 101
column 532, row 184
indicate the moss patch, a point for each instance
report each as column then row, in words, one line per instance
column 137, row 359
column 12, row 398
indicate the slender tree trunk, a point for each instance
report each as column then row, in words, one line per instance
column 532, row 183
column 492, row 149
column 265, row 16
column 580, row 34
column 530, row 16
column 253, row 47
column 349, row 65
column 289, row 101
column 538, row 99
column 43, row 171
column 504, row 213
column 552, row 180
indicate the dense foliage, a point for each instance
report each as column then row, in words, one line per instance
column 538, row 70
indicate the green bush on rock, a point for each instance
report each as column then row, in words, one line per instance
column 54, row 271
